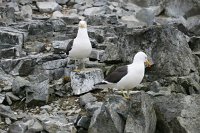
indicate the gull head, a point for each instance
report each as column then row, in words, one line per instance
column 82, row 24
column 141, row 56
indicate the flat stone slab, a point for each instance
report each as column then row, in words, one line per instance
column 83, row 81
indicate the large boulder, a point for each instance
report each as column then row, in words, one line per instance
column 177, row 113
column 165, row 45
column 83, row 81
column 118, row 115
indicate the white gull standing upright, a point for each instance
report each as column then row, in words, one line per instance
column 129, row 76
column 80, row 48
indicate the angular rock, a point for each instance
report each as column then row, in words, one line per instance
column 96, row 54
column 84, row 81
column 56, row 15
column 96, row 11
column 185, row 6
column 177, row 113
column 60, row 46
column 83, row 122
column 12, row 38
column 146, row 15
column 132, row 21
column 8, row 121
column 141, row 116
column 62, row 2
column 54, row 69
column 17, row 127
column 56, row 124
column 13, row 5
column 5, row 81
column 119, row 115
column 194, row 44
column 58, row 25
column 193, row 24
column 39, row 27
column 91, row 107
column 2, row 98
column 26, row 12
column 167, row 46
column 38, row 92
column 28, row 125
column 87, row 98
column 108, row 118
column 47, row 6
column 6, row 111
column 8, row 53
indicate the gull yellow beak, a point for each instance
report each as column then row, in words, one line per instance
column 148, row 63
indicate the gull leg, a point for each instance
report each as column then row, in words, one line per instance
column 128, row 94
column 76, row 67
column 124, row 95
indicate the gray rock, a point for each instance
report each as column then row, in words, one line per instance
column 38, row 92
column 37, row 27
column 12, row 38
column 177, row 113
column 7, row 53
column 91, row 107
column 185, row 6
column 2, row 98
column 6, row 111
column 47, row 107
column 132, row 21
column 146, row 15
column 58, row 25
column 23, row 66
column 107, row 118
column 56, row 15
column 154, row 40
column 96, row 54
column 26, row 12
column 189, row 84
column 96, row 11
column 60, row 46
column 56, row 124
column 24, row 2
column 35, row 126
column 7, row 14
column 54, row 69
column 19, row 84
column 71, row 20
column 8, row 121
column 28, row 125
column 11, row 97
column 131, row 7
column 48, row 6
column 5, row 81
column 13, row 5
column 119, row 115
column 84, row 81
column 193, row 24
column 194, row 44
column 62, row 2
column 141, row 116
column 83, row 122
column 87, row 98
column 17, row 127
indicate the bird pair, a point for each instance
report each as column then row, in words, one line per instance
column 124, row 78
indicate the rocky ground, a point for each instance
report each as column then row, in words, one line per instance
column 40, row 94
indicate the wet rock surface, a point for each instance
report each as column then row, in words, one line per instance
column 40, row 92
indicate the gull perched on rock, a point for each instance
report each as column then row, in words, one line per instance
column 80, row 47
column 129, row 76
